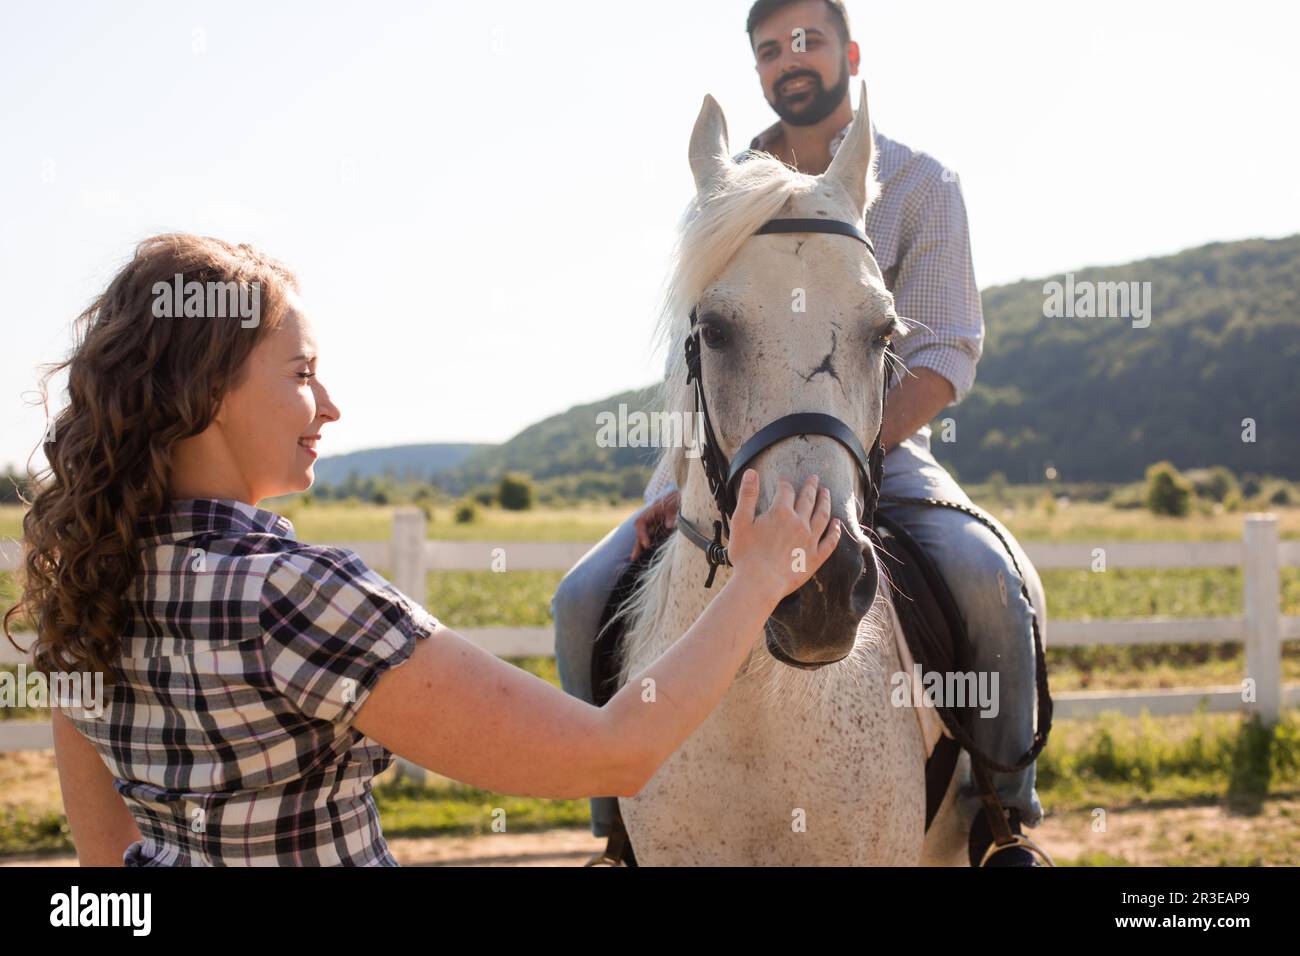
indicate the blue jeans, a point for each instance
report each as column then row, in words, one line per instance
column 975, row 566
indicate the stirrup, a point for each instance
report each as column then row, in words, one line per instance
column 1017, row 839
column 615, row 846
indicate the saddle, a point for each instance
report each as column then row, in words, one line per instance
column 933, row 634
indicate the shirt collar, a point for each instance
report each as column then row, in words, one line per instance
column 764, row 140
column 224, row 517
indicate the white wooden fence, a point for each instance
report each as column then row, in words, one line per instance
column 1261, row 627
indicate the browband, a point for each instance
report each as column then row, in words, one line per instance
column 832, row 226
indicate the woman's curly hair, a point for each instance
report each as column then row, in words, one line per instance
column 137, row 384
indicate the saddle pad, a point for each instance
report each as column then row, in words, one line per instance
column 932, row 727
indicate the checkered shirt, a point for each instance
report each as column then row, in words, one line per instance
column 244, row 662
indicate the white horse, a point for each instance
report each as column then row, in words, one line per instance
column 802, row 763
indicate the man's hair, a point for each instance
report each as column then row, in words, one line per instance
column 763, row 9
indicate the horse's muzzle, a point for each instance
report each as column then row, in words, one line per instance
column 818, row 624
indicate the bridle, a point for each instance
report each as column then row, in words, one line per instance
column 723, row 475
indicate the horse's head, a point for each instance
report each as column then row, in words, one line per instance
column 790, row 323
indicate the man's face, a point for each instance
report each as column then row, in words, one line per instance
column 803, row 66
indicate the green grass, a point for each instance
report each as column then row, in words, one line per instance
column 1079, row 595
column 1091, row 521
column 447, row 808
column 11, row 521
column 33, row 830
column 1114, row 760
column 462, row 599
column 337, row 522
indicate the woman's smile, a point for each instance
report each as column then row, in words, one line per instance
column 308, row 444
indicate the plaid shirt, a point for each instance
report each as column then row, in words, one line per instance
column 245, row 660
column 918, row 226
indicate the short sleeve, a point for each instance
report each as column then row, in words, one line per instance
column 331, row 626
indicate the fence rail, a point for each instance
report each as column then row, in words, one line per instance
column 1261, row 628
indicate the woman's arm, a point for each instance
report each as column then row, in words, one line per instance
column 460, row 711
column 101, row 824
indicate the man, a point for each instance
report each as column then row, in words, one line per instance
column 804, row 58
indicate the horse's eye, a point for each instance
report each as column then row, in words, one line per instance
column 713, row 336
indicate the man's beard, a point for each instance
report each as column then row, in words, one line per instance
column 823, row 103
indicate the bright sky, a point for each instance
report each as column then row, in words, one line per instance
column 480, row 200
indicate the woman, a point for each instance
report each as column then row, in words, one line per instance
column 254, row 681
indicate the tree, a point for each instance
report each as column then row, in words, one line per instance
column 515, row 492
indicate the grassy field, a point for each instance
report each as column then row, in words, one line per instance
column 1181, row 765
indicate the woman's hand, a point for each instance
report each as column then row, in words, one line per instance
column 784, row 546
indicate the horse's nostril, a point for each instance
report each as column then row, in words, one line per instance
column 789, row 604
column 865, row 588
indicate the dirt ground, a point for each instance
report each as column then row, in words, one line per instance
column 1137, row 836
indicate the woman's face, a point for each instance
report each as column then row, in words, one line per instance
column 272, row 419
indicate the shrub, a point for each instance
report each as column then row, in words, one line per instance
column 466, row 513
column 1213, row 483
column 1168, row 492
column 1280, row 495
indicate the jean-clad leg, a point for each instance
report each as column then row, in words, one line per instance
column 987, row 590
column 576, row 609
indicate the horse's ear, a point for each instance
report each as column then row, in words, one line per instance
column 710, row 154
column 851, row 168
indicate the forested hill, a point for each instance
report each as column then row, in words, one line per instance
column 1100, row 399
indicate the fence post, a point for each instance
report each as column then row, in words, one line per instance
column 409, row 577
column 1262, row 594
column 408, row 554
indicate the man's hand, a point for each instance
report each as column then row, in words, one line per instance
column 655, row 520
